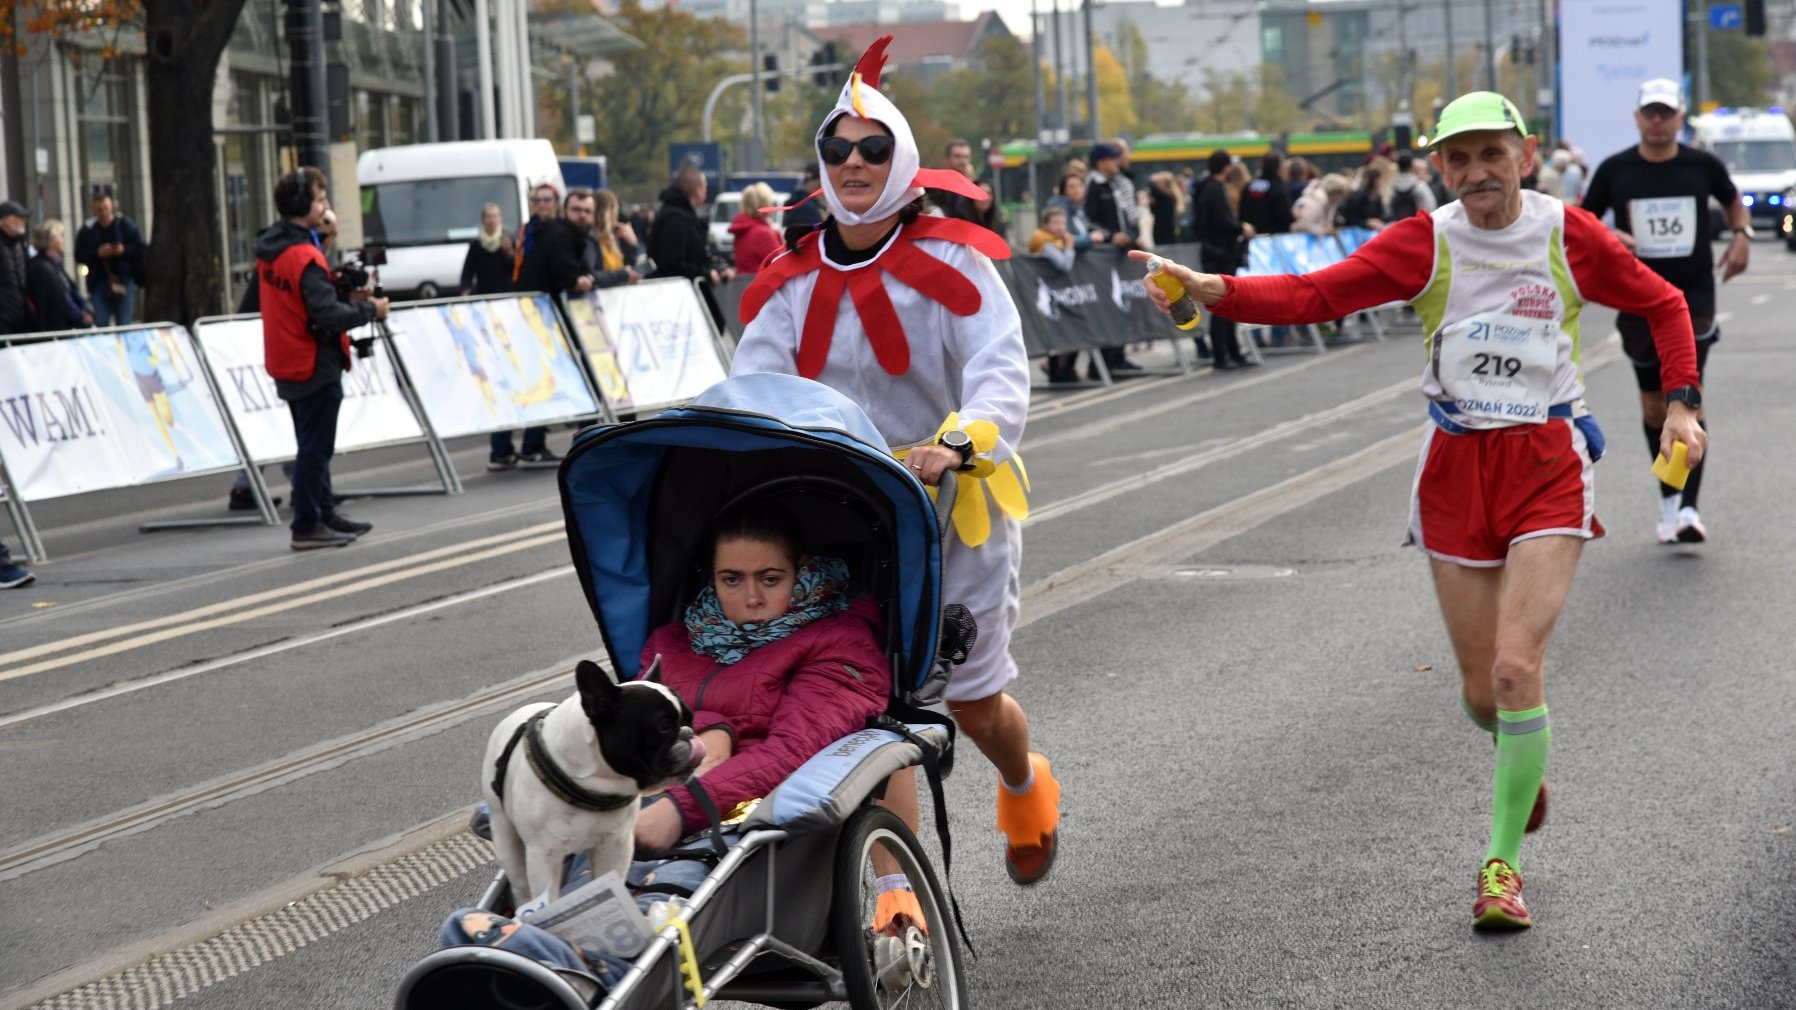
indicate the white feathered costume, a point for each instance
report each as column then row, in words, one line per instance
column 926, row 338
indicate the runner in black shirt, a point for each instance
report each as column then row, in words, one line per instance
column 1660, row 192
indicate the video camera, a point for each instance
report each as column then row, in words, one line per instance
column 356, row 270
column 353, row 275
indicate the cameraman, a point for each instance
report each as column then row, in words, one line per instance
column 305, row 337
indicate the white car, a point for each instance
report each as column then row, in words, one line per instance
column 724, row 210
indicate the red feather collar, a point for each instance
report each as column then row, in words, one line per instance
column 903, row 260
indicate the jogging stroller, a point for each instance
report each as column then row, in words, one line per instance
column 784, row 912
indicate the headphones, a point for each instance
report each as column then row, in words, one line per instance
column 292, row 195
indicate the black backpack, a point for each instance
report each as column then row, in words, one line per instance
column 1403, row 204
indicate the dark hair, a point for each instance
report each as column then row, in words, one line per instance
column 1405, row 162
column 761, row 521
column 1269, row 165
column 688, row 179
column 293, row 194
column 576, row 194
column 1219, row 162
column 957, row 142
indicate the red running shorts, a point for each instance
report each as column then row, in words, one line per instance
column 1476, row 494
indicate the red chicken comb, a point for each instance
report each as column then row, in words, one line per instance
column 873, row 61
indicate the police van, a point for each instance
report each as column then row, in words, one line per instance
column 1758, row 146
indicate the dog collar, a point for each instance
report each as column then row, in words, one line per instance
column 551, row 776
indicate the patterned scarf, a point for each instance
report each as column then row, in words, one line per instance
column 820, row 591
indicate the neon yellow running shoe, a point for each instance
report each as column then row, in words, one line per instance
column 1499, row 904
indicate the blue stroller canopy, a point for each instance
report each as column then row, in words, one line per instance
column 641, row 498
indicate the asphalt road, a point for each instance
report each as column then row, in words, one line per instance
column 1271, row 796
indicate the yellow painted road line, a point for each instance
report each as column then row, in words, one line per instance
column 224, row 606
column 361, row 585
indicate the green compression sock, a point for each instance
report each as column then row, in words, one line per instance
column 1522, row 741
column 1471, row 713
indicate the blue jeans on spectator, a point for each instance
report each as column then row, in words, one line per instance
column 535, row 440
column 315, row 430
column 110, row 313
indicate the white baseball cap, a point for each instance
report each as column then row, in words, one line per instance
column 1661, row 91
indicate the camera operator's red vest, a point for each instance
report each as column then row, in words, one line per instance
column 289, row 349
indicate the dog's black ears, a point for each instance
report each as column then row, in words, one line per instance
column 653, row 673
column 595, row 685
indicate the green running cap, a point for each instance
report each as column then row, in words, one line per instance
column 1475, row 111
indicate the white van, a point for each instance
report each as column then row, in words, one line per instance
column 423, row 201
column 1758, row 146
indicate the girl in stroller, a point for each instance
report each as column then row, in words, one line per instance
column 775, row 660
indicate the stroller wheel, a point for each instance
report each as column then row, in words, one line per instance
column 892, row 960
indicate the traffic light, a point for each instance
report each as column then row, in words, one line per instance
column 1755, row 17
column 825, row 56
column 770, row 71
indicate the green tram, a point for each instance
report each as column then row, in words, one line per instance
column 1332, row 151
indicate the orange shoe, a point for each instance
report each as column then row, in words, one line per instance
column 896, row 910
column 1030, row 824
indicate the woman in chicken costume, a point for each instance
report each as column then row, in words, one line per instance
column 904, row 313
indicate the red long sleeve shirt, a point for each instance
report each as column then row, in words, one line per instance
column 1397, row 264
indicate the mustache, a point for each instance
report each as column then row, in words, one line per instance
column 1488, row 186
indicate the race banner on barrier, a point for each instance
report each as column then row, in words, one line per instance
column 1100, row 303
column 108, row 410
column 491, row 364
column 374, row 411
column 594, row 335
column 661, row 335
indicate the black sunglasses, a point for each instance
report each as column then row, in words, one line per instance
column 875, row 150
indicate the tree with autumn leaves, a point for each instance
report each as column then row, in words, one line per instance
column 182, row 41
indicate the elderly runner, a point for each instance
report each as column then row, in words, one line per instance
column 1503, row 499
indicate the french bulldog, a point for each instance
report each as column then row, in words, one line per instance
column 604, row 746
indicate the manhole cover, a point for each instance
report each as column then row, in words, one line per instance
column 1233, row 572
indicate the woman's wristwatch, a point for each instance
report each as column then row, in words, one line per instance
column 960, row 442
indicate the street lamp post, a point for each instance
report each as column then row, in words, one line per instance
column 1091, row 76
column 1452, row 64
column 754, row 67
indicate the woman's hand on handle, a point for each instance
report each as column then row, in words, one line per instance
column 929, row 462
